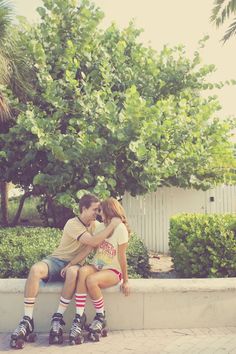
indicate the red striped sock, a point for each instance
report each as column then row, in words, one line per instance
column 80, row 300
column 99, row 305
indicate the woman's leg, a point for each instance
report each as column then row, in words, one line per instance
column 75, row 335
column 81, row 288
column 97, row 281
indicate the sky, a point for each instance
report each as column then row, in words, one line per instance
column 170, row 22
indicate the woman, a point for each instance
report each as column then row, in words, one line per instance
column 107, row 268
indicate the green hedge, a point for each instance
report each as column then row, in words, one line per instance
column 137, row 258
column 203, row 245
column 21, row 247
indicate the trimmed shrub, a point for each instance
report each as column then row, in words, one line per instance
column 203, row 245
column 21, row 247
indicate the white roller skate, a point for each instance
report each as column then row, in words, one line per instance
column 97, row 328
column 23, row 333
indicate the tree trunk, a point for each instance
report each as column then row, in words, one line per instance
column 4, row 202
column 52, row 209
column 20, row 207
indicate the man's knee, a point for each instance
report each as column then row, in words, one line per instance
column 38, row 270
column 72, row 273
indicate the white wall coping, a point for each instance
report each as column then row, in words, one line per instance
column 137, row 285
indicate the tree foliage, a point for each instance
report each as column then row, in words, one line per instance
column 222, row 11
column 109, row 115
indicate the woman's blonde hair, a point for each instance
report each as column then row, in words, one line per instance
column 112, row 208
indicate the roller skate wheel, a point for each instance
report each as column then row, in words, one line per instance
column 13, row 343
column 20, row 343
column 32, row 337
column 94, row 337
column 79, row 340
column 104, row 333
column 86, row 327
column 56, row 340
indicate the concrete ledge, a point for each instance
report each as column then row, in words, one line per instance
column 153, row 303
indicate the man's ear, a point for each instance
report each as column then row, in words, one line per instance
column 83, row 209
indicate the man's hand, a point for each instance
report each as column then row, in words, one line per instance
column 63, row 271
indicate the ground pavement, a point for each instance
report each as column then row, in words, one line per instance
column 163, row 341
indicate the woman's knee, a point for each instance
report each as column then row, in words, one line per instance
column 85, row 271
column 91, row 281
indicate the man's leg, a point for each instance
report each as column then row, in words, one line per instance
column 68, row 288
column 26, row 326
column 37, row 272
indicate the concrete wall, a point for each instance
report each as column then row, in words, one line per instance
column 153, row 303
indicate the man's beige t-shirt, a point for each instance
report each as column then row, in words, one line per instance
column 70, row 245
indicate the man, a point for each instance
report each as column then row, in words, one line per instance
column 49, row 268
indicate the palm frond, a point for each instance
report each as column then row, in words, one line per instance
column 4, row 69
column 231, row 31
column 216, row 10
column 222, row 11
column 6, row 14
column 233, row 6
column 5, row 113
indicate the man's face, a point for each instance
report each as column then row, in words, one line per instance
column 92, row 212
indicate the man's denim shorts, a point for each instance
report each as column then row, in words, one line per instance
column 55, row 266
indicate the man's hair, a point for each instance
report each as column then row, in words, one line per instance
column 87, row 200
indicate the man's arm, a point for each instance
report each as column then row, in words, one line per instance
column 94, row 241
column 80, row 256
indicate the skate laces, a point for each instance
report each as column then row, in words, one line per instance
column 76, row 327
column 57, row 323
column 22, row 327
column 97, row 323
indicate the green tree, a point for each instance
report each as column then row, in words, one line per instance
column 15, row 76
column 223, row 10
column 110, row 115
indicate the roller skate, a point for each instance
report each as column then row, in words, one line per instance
column 23, row 333
column 56, row 331
column 97, row 328
column 76, row 332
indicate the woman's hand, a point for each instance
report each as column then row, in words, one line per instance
column 125, row 288
column 64, row 270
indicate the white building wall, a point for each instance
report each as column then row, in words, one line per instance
column 149, row 215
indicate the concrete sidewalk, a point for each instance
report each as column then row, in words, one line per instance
column 156, row 341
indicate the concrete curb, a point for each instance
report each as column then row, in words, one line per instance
column 153, row 303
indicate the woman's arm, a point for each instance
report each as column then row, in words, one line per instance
column 77, row 259
column 123, row 265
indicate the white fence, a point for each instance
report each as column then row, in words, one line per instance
column 149, row 215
